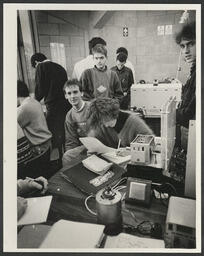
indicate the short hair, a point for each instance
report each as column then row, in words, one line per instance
column 99, row 48
column 37, row 57
column 72, row 82
column 100, row 109
column 94, row 41
column 123, row 50
column 22, row 89
column 122, row 57
column 187, row 32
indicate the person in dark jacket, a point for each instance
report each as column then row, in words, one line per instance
column 186, row 111
column 50, row 78
column 126, row 78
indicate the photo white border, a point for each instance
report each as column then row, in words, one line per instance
column 10, row 116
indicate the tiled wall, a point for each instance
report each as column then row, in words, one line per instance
column 153, row 56
column 52, row 29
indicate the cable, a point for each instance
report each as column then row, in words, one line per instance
column 86, row 205
column 146, row 227
column 120, row 187
column 171, row 187
column 121, row 180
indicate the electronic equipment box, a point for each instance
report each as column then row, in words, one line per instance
column 150, row 97
column 141, row 148
column 180, row 223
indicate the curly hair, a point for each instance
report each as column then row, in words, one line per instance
column 187, row 32
column 102, row 109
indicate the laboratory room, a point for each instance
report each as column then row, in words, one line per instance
column 106, row 130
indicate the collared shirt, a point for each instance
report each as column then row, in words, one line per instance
column 126, row 77
column 129, row 65
column 82, row 65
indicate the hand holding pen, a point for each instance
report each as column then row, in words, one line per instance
column 30, row 185
column 39, row 183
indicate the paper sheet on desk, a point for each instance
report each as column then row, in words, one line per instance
column 113, row 157
column 94, row 145
column 72, row 234
column 37, row 210
column 124, row 240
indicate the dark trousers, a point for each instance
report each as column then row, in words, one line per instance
column 38, row 166
column 56, row 114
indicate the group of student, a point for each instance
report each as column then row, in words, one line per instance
column 92, row 103
column 67, row 102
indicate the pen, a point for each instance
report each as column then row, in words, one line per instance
column 37, row 181
column 119, row 143
column 101, row 241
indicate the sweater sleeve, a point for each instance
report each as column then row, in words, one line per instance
column 130, row 80
column 87, row 85
column 23, row 116
column 117, row 89
column 40, row 83
column 184, row 114
column 71, row 136
column 187, row 108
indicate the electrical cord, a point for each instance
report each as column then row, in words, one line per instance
column 163, row 189
column 86, row 204
column 119, row 182
column 146, row 227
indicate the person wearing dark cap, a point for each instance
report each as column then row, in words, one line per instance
column 128, row 63
column 50, row 78
column 126, row 78
column 186, row 39
column 88, row 62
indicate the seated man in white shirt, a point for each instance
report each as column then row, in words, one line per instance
column 88, row 62
column 128, row 64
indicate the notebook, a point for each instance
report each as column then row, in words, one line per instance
column 90, row 182
column 94, row 145
column 32, row 214
column 96, row 164
column 70, row 234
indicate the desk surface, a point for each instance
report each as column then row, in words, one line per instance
column 68, row 203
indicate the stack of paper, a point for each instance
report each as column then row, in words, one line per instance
column 95, row 146
column 70, row 234
column 96, row 165
column 124, row 240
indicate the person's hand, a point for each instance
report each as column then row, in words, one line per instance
column 29, row 185
column 21, row 206
column 122, row 152
column 42, row 186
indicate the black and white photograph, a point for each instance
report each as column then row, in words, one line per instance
column 102, row 128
